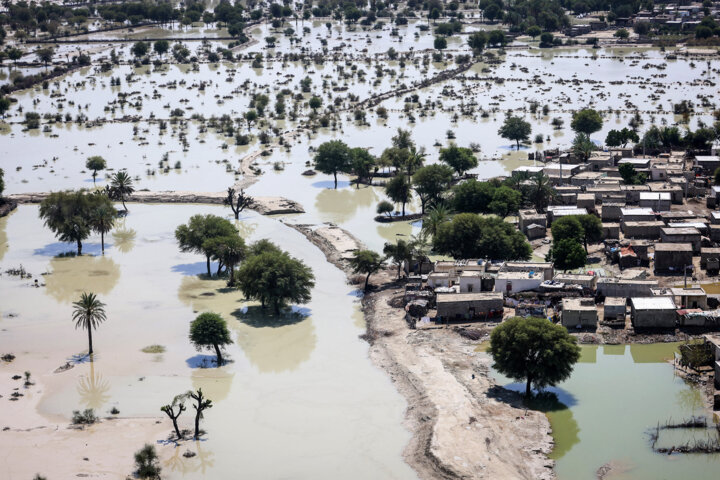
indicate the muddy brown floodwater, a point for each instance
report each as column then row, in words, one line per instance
column 299, row 398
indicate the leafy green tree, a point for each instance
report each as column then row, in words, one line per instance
column 440, row 43
column 567, row 228
column 546, row 40
column 472, row 196
column 95, row 163
column 2, row 183
column 496, row 38
column 477, row 41
column 194, row 236
column 161, row 47
column 534, row 350
column 45, row 55
column 88, row 313
column 398, row 190
column 592, row 231
column 431, row 182
column 515, row 128
column 582, row 146
column 622, row 34
column 333, row 157
column 274, row 277
column 470, row 236
column 209, row 330
column 121, row 186
column 69, row 215
column 367, row 262
column 505, row 201
column 147, row 464
column 4, row 106
column 587, row 121
column 228, row 251
column 102, row 218
column 140, row 49
column 399, row 252
column 717, row 179
column 385, row 208
column 363, row 165
column 617, row 138
column 534, row 31
column 460, row 159
column 630, row 176
column 567, row 254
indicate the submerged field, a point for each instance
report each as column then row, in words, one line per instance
column 300, row 398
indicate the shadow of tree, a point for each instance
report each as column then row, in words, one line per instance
column 258, row 317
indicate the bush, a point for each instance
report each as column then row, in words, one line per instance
column 87, row 417
column 147, row 464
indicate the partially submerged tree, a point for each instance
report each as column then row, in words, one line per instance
column 458, row 158
column 587, row 121
column 430, row 183
column 399, row 191
column 333, row 157
column 193, row 237
column 515, row 128
column 174, row 410
column 121, row 186
column 209, row 330
column 237, row 201
column 95, row 163
column 228, row 251
column 102, row 220
column 88, row 313
column 201, row 404
column 367, row 262
column 274, row 277
column 534, row 350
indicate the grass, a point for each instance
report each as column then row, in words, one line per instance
column 154, row 349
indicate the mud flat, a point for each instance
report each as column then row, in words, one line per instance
column 263, row 205
column 462, row 425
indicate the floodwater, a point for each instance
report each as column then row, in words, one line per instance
column 299, row 386
column 605, row 412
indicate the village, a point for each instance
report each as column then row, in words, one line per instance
column 653, row 277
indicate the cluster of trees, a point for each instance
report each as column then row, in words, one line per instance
column 524, row 14
column 570, row 235
column 175, row 408
column 469, row 235
column 266, row 273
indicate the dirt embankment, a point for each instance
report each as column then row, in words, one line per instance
column 462, row 424
column 262, row 205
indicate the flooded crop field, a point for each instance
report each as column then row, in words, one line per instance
column 303, row 391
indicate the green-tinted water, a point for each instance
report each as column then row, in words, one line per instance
column 616, row 395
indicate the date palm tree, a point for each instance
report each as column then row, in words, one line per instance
column 102, row 221
column 89, row 312
column 122, row 185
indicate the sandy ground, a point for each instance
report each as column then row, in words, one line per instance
column 263, row 205
column 462, row 425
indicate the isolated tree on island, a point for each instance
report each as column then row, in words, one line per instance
column 209, row 330
column 121, row 186
column 363, row 164
column 95, row 163
column 534, row 350
column 515, row 128
column 367, row 262
column 460, row 159
column 587, row 121
column 333, row 157
column 88, row 313
column 200, row 228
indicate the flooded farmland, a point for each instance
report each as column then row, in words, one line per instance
column 305, row 393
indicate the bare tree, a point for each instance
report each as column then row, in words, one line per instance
column 201, row 405
column 237, row 201
column 169, row 410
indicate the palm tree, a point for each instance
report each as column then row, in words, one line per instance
column 541, row 191
column 102, row 221
column 435, row 217
column 122, row 185
column 415, row 160
column 89, row 312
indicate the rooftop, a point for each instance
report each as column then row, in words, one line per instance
column 673, row 247
column 653, row 303
column 680, row 231
column 468, row 297
column 578, row 304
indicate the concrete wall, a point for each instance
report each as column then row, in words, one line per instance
column 654, row 318
column 626, row 289
column 584, row 318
